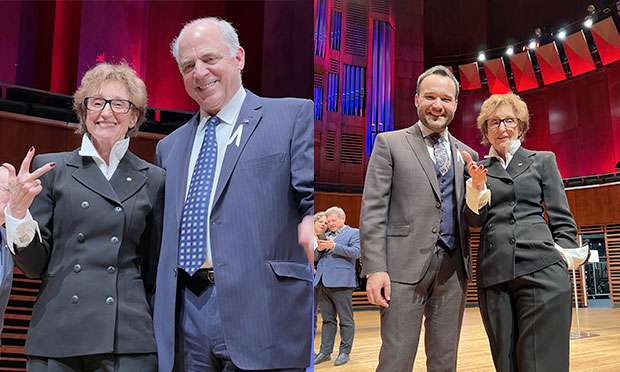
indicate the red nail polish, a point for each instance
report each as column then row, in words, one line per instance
column 52, row 165
column 31, row 148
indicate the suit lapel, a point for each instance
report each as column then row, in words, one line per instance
column 416, row 141
column 458, row 170
column 249, row 117
column 177, row 166
column 495, row 169
column 521, row 160
column 88, row 174
column 128, row 177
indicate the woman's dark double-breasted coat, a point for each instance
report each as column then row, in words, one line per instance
column 97, row 257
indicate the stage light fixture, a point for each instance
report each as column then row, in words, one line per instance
column 561, row 34
column 588, row 22
column 533, row 44
column 510, row 51
column 482, row 57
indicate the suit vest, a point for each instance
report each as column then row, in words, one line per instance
column 447, row 228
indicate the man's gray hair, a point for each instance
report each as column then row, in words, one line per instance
column 228, row 32
column 441, row 71
column 335, row 210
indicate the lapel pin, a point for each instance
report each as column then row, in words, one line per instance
column 520, row 164
column 236, row 137
column 129, row 179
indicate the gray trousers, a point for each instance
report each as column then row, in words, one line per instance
column 336, row 302
column 528, row 321
column 95, row 363
column 439, row 298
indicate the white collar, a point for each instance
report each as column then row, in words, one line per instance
column 230, row 110
column 116, row 154
column 427, row 132
column 510, row 151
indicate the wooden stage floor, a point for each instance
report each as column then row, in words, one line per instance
column 601, row 353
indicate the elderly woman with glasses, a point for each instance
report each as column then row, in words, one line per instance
column 523, row 284
column 88, row 223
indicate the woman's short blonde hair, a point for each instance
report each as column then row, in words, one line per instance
column 319, row 215
column 490, row 106
column 94, row 78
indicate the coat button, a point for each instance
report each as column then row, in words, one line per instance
column 490, row 245
column 77, row 268
column 114, row 240
column 81, row 237
column 434, row 230
column 438, row 205
column 111, row 269
column 512, row 240
column 118, row 209
column 75, row 299
column 512, row 221
column 85, row 204
column 109, row 300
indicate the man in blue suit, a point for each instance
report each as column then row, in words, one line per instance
column 6, row 260
column 234, row 285
column 335, row 282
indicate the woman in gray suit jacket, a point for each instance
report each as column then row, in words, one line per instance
column 90, row 229
column 523, row 283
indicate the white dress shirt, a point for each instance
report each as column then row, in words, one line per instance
column 429, row 143
column 21, row 231
column 116, row 154
column 228, row 117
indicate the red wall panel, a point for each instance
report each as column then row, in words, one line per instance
column 578, row 119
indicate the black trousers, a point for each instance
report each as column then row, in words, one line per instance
column 528, row 321
column 95, row 363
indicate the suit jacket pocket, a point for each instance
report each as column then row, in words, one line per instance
column 290, row 269
column 398, row 230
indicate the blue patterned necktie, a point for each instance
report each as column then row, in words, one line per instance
column 442, row 159
column 194, row 219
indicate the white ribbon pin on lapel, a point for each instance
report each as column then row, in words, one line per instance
column 236, row 137
column 459, row 156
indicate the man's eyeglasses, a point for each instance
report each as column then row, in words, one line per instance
column 119, row 106
column 508, row 123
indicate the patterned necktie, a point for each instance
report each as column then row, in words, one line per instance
column 193, row 221
column 442, row 159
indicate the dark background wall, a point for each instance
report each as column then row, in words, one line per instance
column 50, row 44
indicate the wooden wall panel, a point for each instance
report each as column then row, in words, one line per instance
column 595, row 205
column 19, row 132
column 351, row 203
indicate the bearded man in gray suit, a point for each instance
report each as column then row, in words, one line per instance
column 413, row 235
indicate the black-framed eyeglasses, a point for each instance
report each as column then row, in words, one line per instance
column 508, row 123
column 119, row 106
